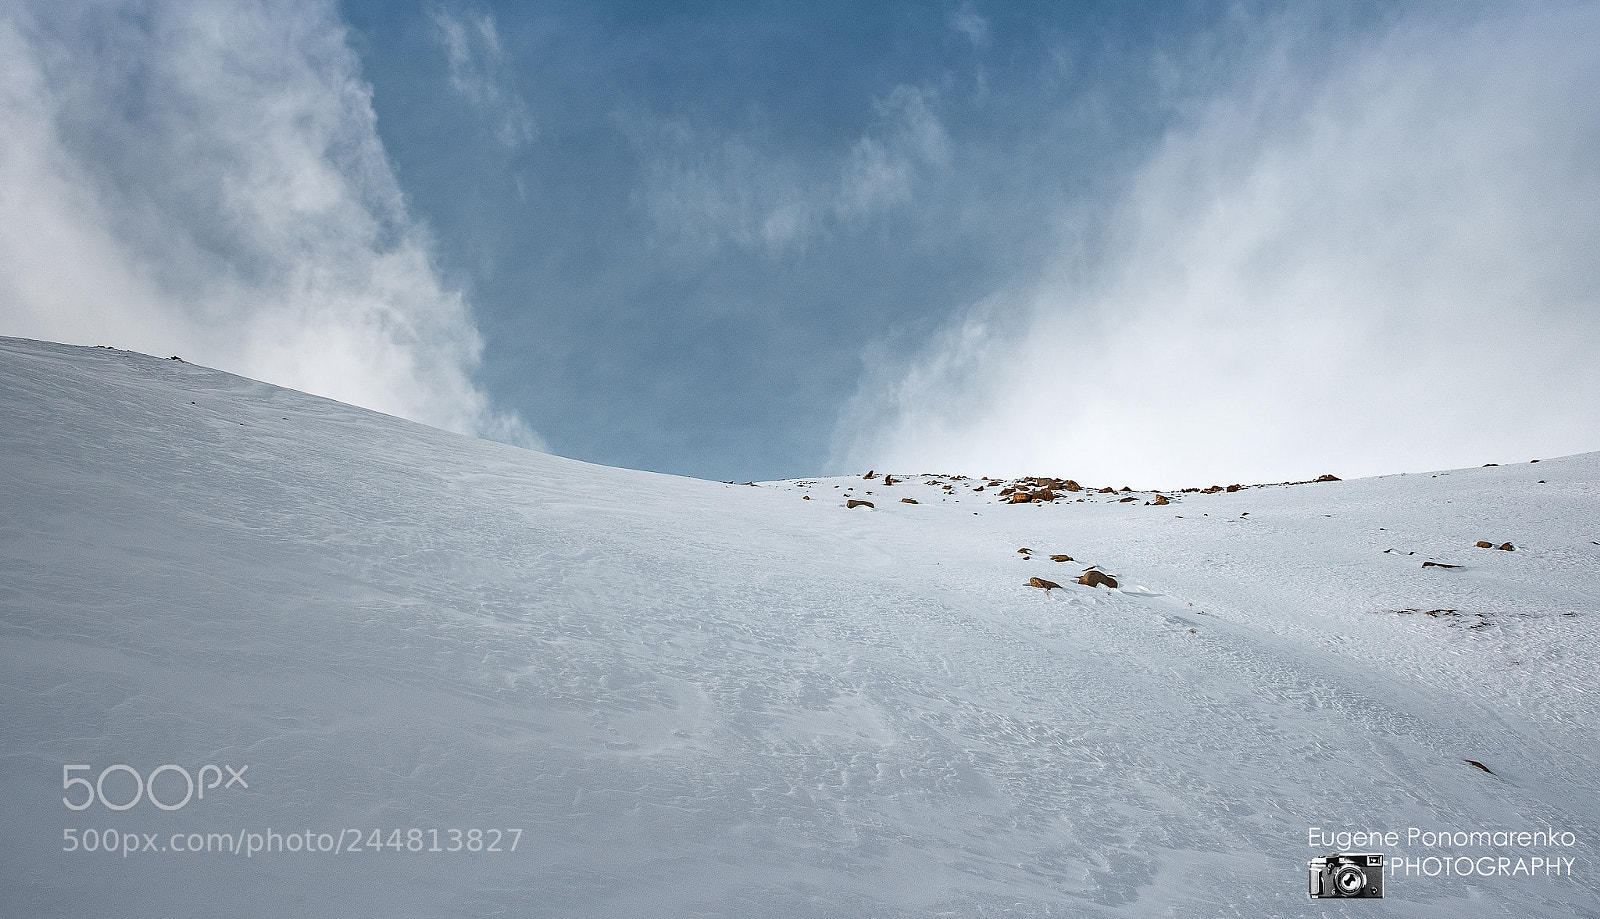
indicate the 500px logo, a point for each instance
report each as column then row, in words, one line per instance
column 124, row 798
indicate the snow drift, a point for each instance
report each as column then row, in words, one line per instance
column 701, row 699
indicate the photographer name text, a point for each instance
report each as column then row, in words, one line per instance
column 1544, row 864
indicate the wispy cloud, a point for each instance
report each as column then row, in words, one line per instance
column 969, row 23
column 479, row 73
column 1381, row 263
column 206, row 178
column 734, row 189
column 884, row 166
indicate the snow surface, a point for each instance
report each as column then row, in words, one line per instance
column 706, row 699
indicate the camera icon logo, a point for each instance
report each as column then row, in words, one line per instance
column 1347, row 875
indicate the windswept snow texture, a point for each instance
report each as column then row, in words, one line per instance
column 698, row 699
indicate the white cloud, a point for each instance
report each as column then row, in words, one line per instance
column 205, row 178
column 1386, row 265
column 479, row 74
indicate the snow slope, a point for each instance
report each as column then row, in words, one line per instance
column 704, row 699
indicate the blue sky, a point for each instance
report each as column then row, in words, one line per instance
column 1155, row 243
column 701, row 216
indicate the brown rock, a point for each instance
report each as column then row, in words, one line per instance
column 1507, row 546
column 1485, row 544
column 1020, row 497
column 1041, row 582
column 1161, row 499
column 1025, row 551
column 908, row 500
column 870, row 474
column 1438, row 565
column 1231, row 489
column 854, row 503
column 1061, row 558
column 1126, row 500
column 1106, row 491
column 1094, row 577
column 1070, row 485
column 889, row 479
column 1326, row 478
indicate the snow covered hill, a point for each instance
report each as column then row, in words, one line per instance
column 663, row 697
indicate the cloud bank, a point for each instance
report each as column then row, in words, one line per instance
column 205, row 178
column 1381, row 260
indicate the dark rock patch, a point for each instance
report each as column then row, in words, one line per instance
column 1095, row 577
